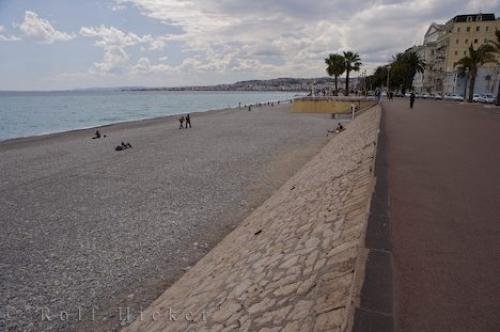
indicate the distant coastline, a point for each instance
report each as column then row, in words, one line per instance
column 285, row 84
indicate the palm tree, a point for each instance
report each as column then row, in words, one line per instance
column 352, row 61
column 475, row 59
column 335, row 67
column 414, row 64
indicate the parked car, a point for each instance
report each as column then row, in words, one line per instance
column 476, row 98
column 438, row 96
column 454, row 96
column 486, row 98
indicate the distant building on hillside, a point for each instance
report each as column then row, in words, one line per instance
column 445, row 44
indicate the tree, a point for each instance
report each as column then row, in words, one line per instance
column 352, row 62
column 472, row 62
column 335, row 67
column 403, row 69
column 413, row 65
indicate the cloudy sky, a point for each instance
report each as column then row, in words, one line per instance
column 60, row 44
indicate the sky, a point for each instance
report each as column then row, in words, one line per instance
column 61, row 44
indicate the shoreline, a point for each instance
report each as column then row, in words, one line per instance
column 116, row 125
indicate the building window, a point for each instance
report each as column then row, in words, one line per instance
column 458, row 29
column 456, row 52
column 475, row 41
column 478, row 28
column 487, row 28
column 458, row 41
column 468, row 29
column 466, row 41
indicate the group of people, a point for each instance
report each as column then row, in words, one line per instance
column 390, row 96
column 123, row 146
column 187, row 119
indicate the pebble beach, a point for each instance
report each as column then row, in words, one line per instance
column 87, row 229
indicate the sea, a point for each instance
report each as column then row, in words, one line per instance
column 25, row 114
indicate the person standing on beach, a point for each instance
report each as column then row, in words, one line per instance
column 181, row 121
column 412, row 99
column 188, row 121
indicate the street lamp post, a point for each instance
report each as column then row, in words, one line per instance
column 388, row 77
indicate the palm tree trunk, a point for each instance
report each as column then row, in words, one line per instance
column 336, row 86
column 471, row 85
column 347, row 82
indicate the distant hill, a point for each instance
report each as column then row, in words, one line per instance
column 275, row 84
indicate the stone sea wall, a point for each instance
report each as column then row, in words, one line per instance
column 296, row 263
column 330, row 104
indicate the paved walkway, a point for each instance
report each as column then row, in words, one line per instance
column 293, row 264
column 444, row 186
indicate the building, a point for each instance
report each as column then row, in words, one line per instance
column 445, row 44
column 426, row 81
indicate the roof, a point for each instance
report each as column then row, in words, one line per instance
column 474, row 17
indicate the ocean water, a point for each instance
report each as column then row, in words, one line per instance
column 34, row 113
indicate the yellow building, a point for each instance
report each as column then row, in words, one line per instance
column 450, row 43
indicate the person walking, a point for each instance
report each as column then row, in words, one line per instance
column 412, row 99
column 188, row 121
column 181, row 121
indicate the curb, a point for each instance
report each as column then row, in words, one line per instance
column 375, row 309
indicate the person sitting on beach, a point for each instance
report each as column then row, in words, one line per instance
column 123, row 146
column 339, row 128
column 188, row 121
column 97, row 135
column 181, row 121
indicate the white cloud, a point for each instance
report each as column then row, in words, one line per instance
column 115, row 42
column 7, row 38
column 225, row 40
column 145, row 67
column 112, row 36
column 37, row 28
column 291, row 37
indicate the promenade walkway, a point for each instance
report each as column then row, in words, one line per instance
column 296, row 262
column 444, row 186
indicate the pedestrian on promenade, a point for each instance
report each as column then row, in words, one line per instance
column 378, row 94
column 412, row 99
column 181, row 121
column 249, row 108
column 188, row 121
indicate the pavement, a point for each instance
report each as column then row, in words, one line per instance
column 443, row 163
